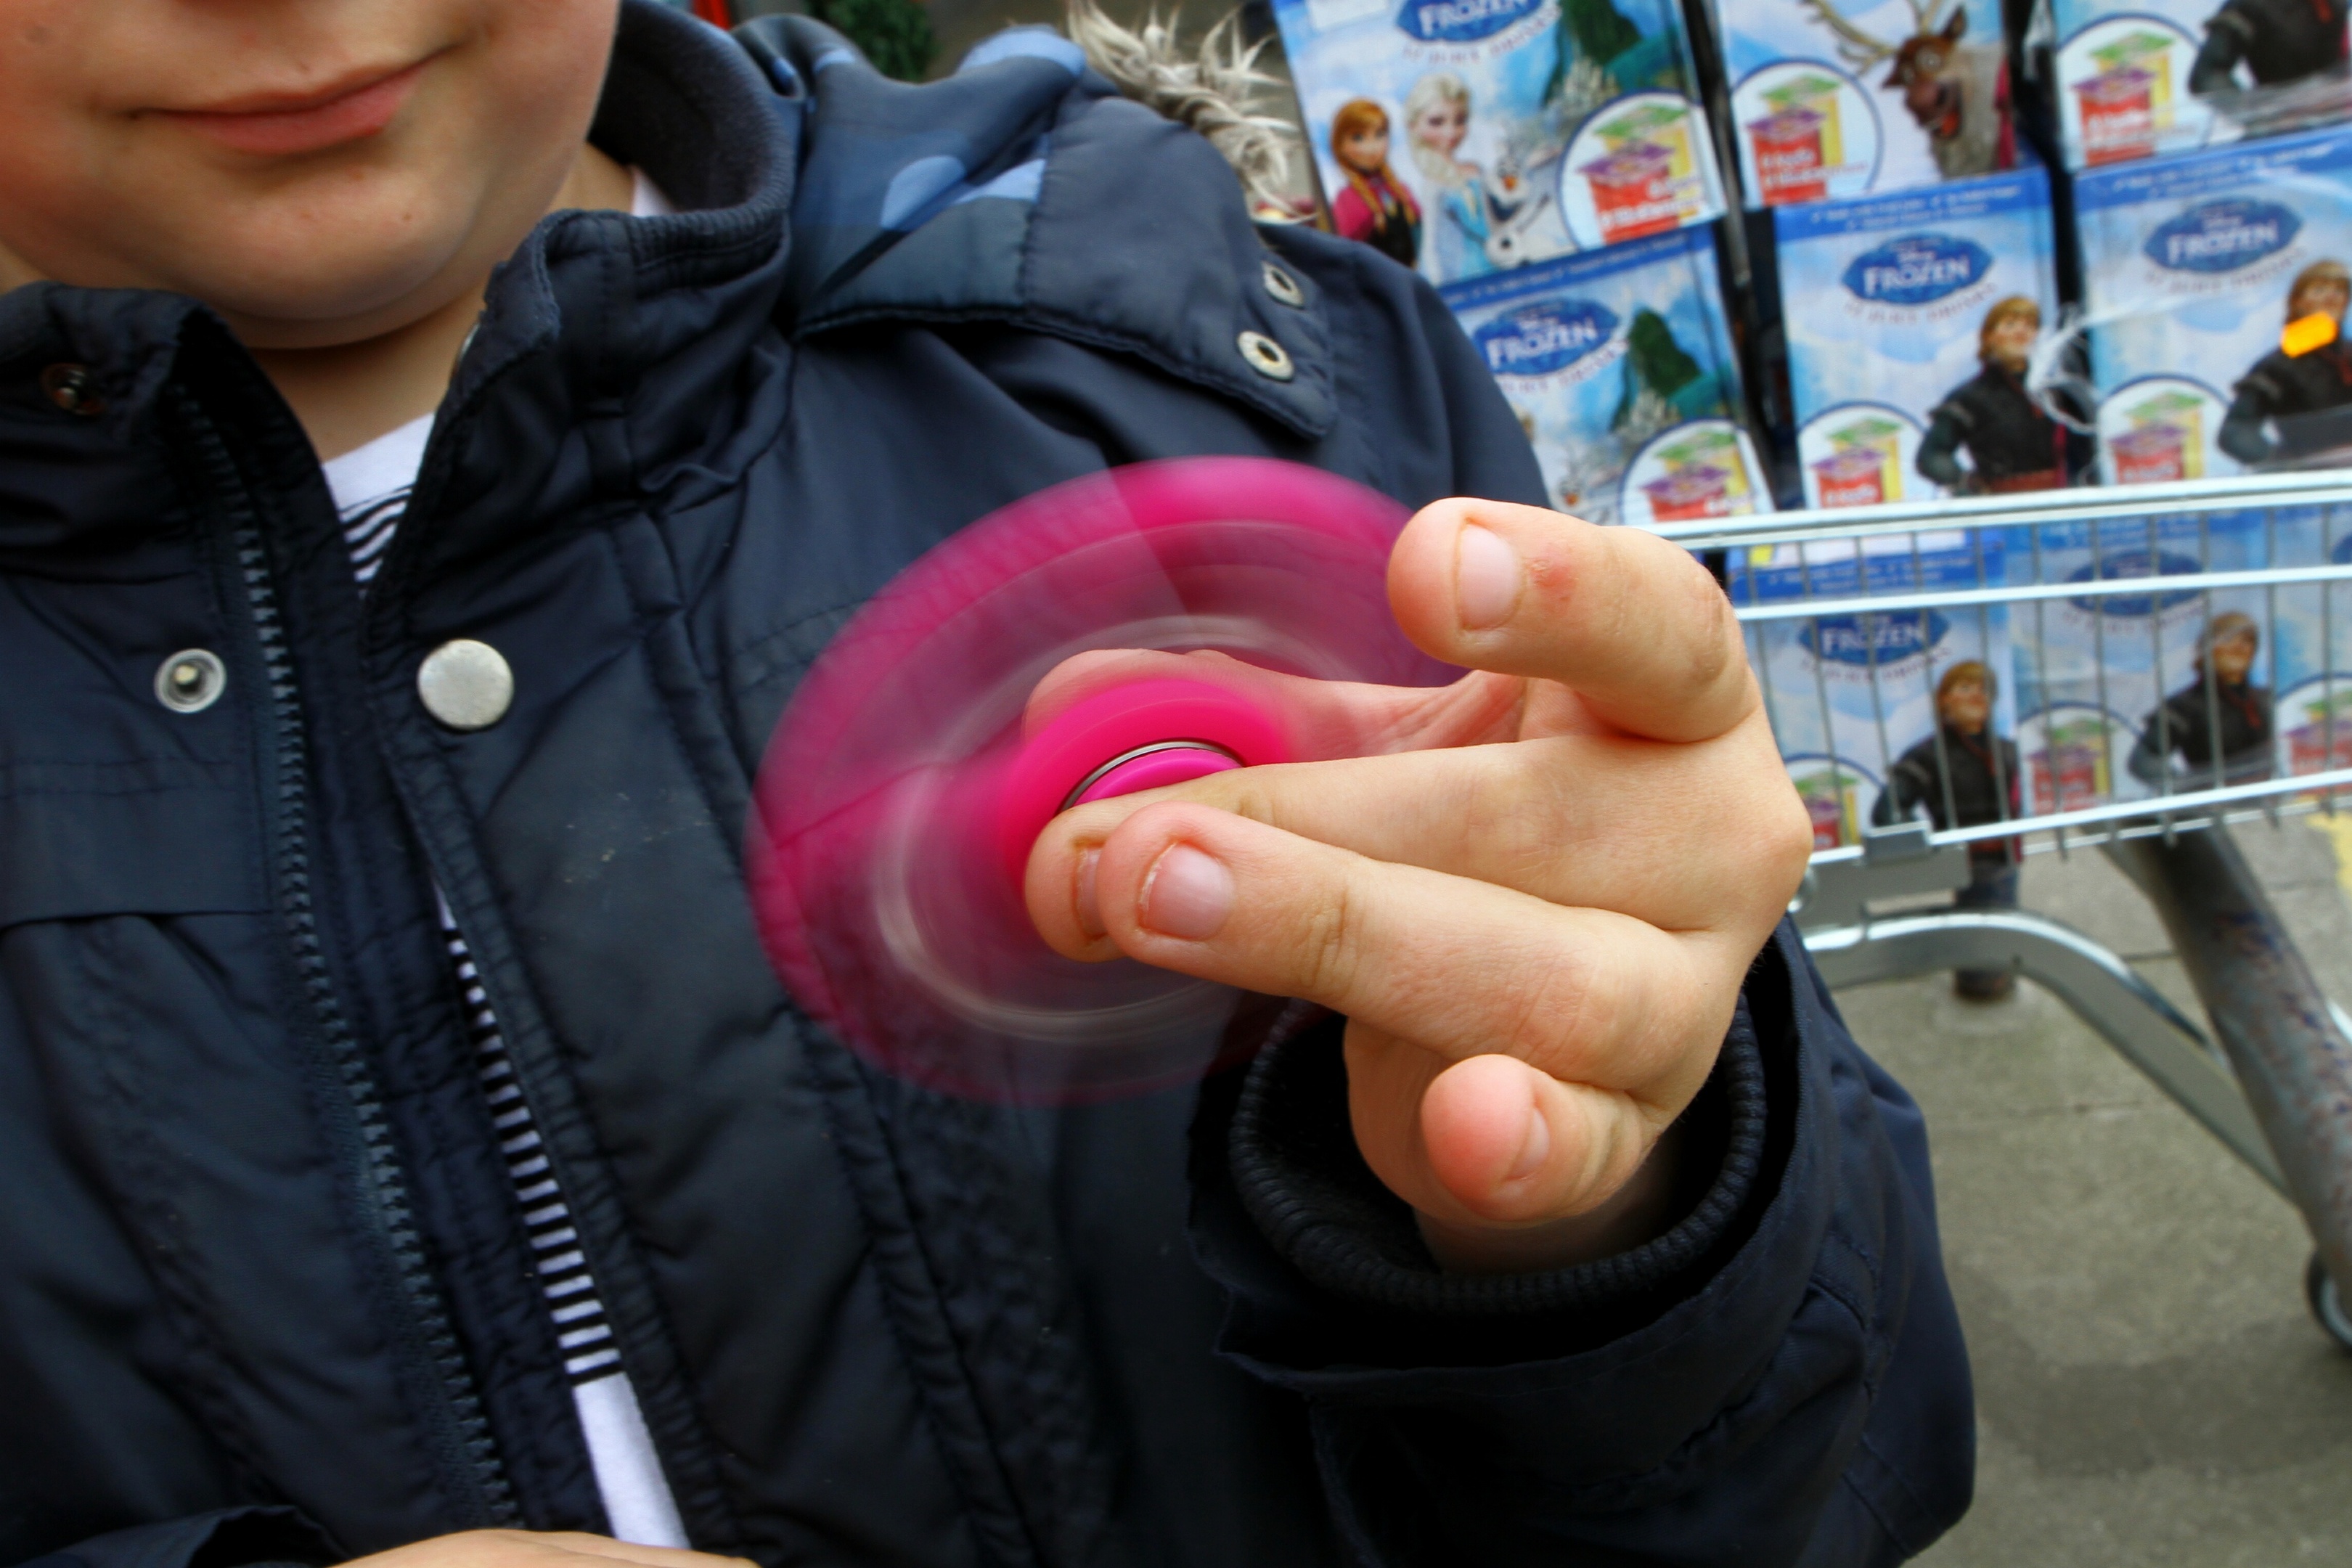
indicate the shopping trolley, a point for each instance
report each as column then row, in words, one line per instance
column 2104, row 606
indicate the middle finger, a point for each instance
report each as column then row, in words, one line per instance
column 1644, row 828
column 1460, row 967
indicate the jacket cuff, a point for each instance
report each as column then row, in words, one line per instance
column 228, row 1537
column 1295, row 1166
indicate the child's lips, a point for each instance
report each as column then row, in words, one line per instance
column 279, row 128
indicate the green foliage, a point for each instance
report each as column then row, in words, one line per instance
column 895, row 35
column 1652, row 360
column 1595, row 30
column 1600, row 29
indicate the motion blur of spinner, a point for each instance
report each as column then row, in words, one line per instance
column 917, row 763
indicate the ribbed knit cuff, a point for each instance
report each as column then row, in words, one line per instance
column 1300, row 1176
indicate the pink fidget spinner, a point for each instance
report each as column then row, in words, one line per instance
column 912, row 773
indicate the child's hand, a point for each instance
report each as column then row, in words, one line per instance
column 1537, row 945
column 527, row 1549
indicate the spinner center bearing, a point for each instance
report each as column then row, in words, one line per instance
column 1145, row 734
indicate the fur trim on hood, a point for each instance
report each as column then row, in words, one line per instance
column 1216, row 90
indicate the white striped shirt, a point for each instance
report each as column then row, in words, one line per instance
column 371, row 486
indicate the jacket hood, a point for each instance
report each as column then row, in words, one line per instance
column 1024, row 188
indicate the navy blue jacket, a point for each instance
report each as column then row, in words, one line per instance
column 264, row 1289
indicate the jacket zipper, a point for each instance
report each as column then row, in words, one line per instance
column 461, row 1438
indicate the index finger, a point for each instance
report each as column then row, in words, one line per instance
column 1633, row 624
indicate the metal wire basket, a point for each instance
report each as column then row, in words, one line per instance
column 2165, row 661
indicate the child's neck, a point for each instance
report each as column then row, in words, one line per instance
column 348, row 394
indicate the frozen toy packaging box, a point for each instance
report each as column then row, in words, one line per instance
column 1910, row 319
column 2133, row 76
column 2215, row 286
column 1466, row 137
column 1843, row 97
column 2115, row 701
column 2307, row 662
column 1857, row 701
column 1619, row 367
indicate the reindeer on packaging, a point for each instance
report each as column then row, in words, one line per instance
column 1958, row 92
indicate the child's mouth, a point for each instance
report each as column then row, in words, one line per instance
column 280, row 126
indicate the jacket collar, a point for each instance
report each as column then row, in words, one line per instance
column 819, row 194
column 1024, row 189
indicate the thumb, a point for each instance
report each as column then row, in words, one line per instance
column 1488, row 1141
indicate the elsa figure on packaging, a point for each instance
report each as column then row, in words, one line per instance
column 1437, row 119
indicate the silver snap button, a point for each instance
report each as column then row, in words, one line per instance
column 190, row 681
column 1282, row 286
column 72, row 388
column 1265, row 356
column 466, row 684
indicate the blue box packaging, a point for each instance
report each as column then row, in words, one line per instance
column 2109, row 691
column 1466, row 137
column 1898, row 307
column 1619, row 367
column 2129, row 81
column 2194, row 270
column 2305, row 656
column 1851, row 696
column 1832, row 99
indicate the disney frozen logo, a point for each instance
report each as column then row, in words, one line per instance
column 2125, row 563
column 1542, row 340
column 1875, row 640
column 2222, row 236
column 1460, row 21
column 1916, row 269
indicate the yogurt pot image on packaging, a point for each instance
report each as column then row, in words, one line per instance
column 1468, row 137
column 1908, row 319
column 2215, row 286
column 1855, row 700
column 1619, row 365
column 2132, row 78
column 1832, row 99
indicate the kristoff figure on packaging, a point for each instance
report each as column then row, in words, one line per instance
column 1963, row 775
column 2010, row 439
column 2221, row 703
column 2279, row 40
column 2302, row 388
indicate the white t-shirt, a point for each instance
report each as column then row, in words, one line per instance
column 371, row 485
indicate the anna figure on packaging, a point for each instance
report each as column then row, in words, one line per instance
column 2011, row 441
column 1375, row 207
column 2220, row 712
column 1963, row 775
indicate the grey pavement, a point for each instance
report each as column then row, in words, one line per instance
column 2151, row 1390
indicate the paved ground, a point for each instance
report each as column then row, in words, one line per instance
column 2151, row 1390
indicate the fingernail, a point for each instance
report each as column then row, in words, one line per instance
column 1485, row 578
column 1089, row 913
column 1188, row 895
column 1534, row 1149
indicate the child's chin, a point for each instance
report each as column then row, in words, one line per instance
column 319, row 296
